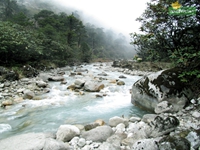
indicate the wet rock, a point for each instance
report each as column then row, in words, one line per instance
column 72, row 87
column 100, row 122
column 93, row 86
column 120, row 83
column 161, row 86
column 103, row 74
column 98, row 134
column 41, row 84
column 122, row 76
column 79, row 83
column 56, row 78
column 7, row 102
column 63, row 82
column 66, row 132
column 28, row 94
column 91, row 126
column 81, row 70
column 134, row 119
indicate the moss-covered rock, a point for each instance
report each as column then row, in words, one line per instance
column 161, row 86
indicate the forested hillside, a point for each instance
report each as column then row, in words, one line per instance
column 29, row 34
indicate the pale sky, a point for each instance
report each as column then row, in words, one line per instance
column 119, row 15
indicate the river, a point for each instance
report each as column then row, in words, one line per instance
column 62, row 106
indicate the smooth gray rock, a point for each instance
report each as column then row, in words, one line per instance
column 52, row 144
column 41, row 84
column 114, row 121
column 29, row 141
column 79, row 83
column 28, row 94
column 98, row 134
column 66, row 132
column 93, row 86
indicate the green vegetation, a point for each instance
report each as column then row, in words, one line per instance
column 56, row 37
column 174, row 38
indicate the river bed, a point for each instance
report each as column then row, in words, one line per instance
column 62, row 106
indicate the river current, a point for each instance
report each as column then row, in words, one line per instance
column 62, row 106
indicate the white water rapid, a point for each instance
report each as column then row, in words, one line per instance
column 62, row 106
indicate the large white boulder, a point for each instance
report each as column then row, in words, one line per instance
column 164, row 85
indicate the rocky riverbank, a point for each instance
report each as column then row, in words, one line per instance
column 156, row 131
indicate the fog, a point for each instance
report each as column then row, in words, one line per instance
column 118, row 15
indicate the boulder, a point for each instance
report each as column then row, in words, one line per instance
column 66, row 132
column 100, row 122
column 29, row 71
column 56, row 78
column 163, row 85
column 91, row 126
column 79, row 83
column 98, row 134
column 28, row 94
column 31, row 141
column 114, row 121
column 102, row 74
column 52, row 144
column 120, row 83
column 122, row 76
column 7, row 102
column 93, row 86
column 41, row 84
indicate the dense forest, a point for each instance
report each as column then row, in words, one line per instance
column 171, row 37
column 40, row 33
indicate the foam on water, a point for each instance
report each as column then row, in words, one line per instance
column 62, row 106
column 5, row 127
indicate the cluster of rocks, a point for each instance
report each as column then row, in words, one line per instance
column 151, row 132
column 34, row 88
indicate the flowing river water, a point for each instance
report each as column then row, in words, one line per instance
column 62, row 106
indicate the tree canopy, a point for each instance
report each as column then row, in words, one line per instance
column 59, row 37
column 168, row 37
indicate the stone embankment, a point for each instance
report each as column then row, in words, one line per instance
column 165, row 128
